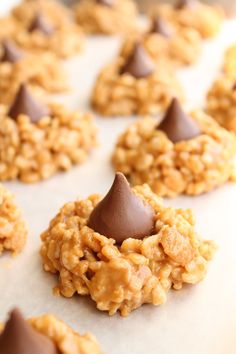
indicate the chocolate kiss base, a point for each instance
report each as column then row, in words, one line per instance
column 18, row 337
column 177, row 125
column 139, row 64
column 122, row 214
column 24, row 103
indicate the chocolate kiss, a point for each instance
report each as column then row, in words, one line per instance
column 122, row 214
column 11, row 53
column 139, row 64
column 161, row 27
column 25, row 103
column 185, row 3
column 18, row 337
column 40, row 23
column 177, row 125
column 108, row 3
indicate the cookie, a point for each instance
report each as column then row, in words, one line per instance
column 135, row 86
column 107, row 16
column 185, row 154
column 164, row 42
column 221, row 100
column 205, row 19
column 124, row 250
column 42, row 73
column 42, row 35
column 44, row 334
column 13, row 229
column 38, row 140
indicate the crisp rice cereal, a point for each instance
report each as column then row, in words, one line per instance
column 66, row 340
column 116, row 94
column 53, row 10
column 230, row 62
column 145, row 155
column 139, row 271
column 183, row 48
column 97, row 18
column 13, row 230
column 221, row 102
column 42, row 73
column 206, row 19
column 36, row 151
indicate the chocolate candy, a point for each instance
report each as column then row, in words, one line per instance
column 177, row 125
column 25, row 103
column 40, row 23
column 11, row 53
column 160, row 26
column 139, row 64
column 109, row 3
column 18, row 337
column 122, row 214
column 181, row 4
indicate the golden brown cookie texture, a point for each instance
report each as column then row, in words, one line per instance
column 221, row 102
column 133, row 85
column 45, row 334
column 13, row 229
column 123, row 276
column 42, row 35
column 192, row 160
column 205, row 19
column 229, row 65
column 107, row 16
column 44, row 73
column 39, row 140
column 56, row 13
column 165, row 43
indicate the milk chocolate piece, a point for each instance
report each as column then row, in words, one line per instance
column 160, row 26
column 181, row 4
column 122, row 214
column 40, row 23
column 11, row 53
column 177, row 125
column 108, row 3
column 25, row 103
column 18, row 337
column 139, row 64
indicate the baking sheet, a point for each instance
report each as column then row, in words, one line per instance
column 197, row 319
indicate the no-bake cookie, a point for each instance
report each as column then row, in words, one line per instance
column 42, row 73
column 206, row 19
column 37, row 140
column 41, row 35
column 43, row 335
column 107, row 16
column 229, row 67
column 124, row 250
column 135, row 86
column 162, row 41
column 221, row 102
column 188, row 154
column 13, row 230
column 58, row 14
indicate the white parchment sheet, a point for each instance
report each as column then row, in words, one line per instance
column 197, row 320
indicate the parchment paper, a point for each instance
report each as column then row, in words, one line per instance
column 196, row 320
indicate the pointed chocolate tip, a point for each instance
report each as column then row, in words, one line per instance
column 181, row 4
column 108, row 3
column 177, row 125
column 19, row 337
column 122, row 214
column 40, row 23
column 26, row 104
column 160, row 26
column 139, row 64
column 11, row 53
